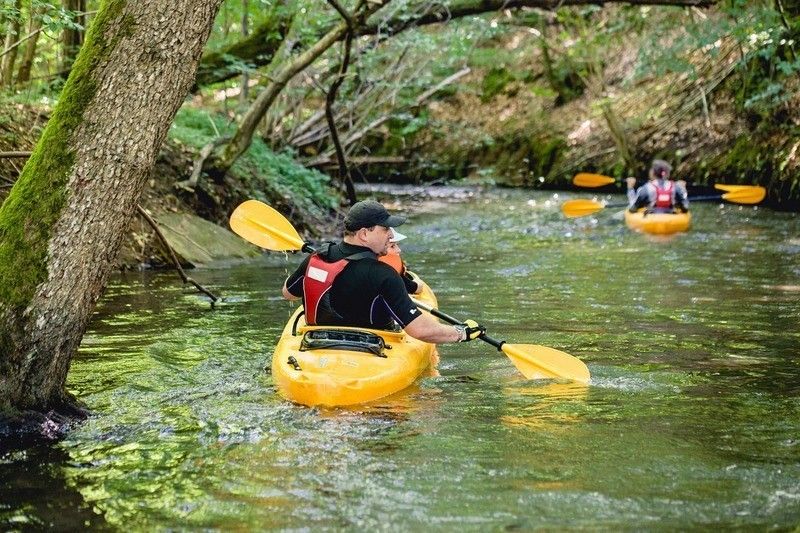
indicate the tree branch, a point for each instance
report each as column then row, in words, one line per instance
column 184, row 277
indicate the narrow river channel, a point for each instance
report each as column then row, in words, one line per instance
column 691, row 420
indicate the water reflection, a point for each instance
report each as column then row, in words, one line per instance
column 35, row 494
column 544, row 406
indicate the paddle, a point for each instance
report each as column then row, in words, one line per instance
column 532, row 360
column 260, row 224
column 263, row 226
column 586, row 179
column 743, row 194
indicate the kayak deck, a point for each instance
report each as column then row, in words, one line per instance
column 336, row 376
column 658, row 223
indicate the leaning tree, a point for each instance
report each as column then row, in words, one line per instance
column 62, row 223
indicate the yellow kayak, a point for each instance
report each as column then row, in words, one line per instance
column 658, row 223
column 335, row 366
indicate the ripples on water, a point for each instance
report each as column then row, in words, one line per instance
column 691, row 419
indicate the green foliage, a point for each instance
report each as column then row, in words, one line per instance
column 495, row 82
column 413, row 123
column 196, row 127
column 309, row 189
column 575, row 56
column 55, row 18
column 767, row 47
column 260, row 168
column 745, row 161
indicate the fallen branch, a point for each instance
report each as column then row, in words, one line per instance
column 184, row 277
column 8, row 155
column 365, row 160
column 197, row 170
column 358, row 135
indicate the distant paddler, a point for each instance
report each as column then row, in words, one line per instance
column 660, row 194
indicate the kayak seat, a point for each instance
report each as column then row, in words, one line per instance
column 337, row 339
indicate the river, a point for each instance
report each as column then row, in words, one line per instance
column 691, row 419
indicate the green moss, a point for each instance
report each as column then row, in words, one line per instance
column 495, row 82
column 520, row 158
column 36, row 201
column 745, row 162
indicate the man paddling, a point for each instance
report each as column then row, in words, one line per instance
column 660, row 194
column 344, row 284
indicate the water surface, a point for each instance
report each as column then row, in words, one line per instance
column 691, row 419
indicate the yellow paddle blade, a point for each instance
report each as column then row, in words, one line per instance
column 729, row 188
column 580, row 208
column 745, row 194
column 260, row 224
column 541, row 362
column 585, row 179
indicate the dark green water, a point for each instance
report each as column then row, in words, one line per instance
column 691, row 421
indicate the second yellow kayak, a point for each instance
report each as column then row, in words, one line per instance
column 658, row 223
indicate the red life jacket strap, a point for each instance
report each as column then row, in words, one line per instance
column 318, row 280
column 664, row 194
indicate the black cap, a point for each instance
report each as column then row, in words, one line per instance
column 661, row 168
column 368, row 213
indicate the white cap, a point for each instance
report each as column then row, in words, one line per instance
column 396, row 236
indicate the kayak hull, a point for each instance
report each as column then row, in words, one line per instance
column 339, row 377
column 658, row 223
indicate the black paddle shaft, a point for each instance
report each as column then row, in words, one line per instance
column 710, row 198
column 447, row 318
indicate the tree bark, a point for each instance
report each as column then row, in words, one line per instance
column 62, row 225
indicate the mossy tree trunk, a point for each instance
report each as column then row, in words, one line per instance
column 62, row 223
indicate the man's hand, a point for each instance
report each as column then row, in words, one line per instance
column 631, row 182
column 470, row 330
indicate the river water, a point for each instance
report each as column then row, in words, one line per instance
column 691, row 419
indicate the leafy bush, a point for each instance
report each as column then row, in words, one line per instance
column 765, row 41
column 260, row 168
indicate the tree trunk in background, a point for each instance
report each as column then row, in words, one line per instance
column 10, row 56
column 63, row 222
column 72, row 39
column 258, row 49
column 245, row 76
column 29, row 54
